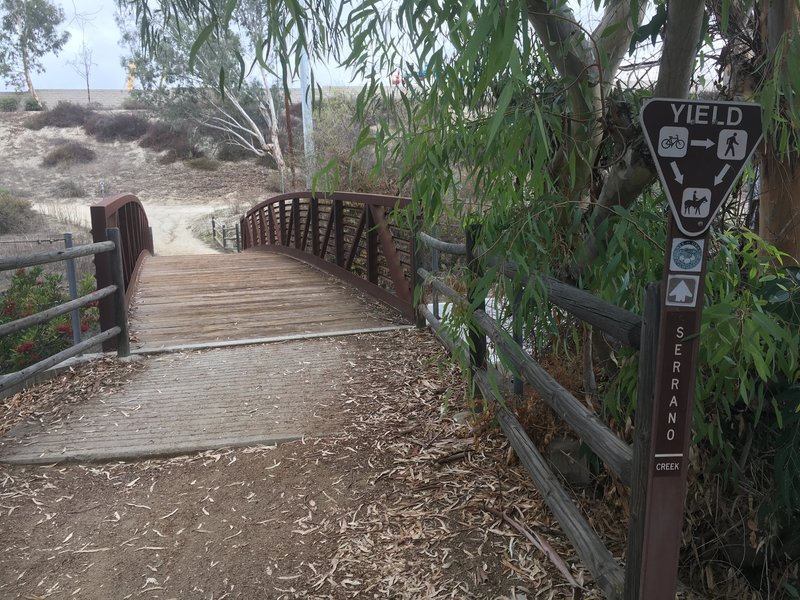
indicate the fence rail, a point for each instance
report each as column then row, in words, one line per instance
column 626, row 462
column 115, row 292
column 222, row 234
column 356, row 237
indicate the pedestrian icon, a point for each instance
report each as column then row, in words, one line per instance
column 672, row 141
column 682, row 290
column 732, row 144
column 696, row 202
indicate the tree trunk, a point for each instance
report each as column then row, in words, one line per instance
column 272, row 125
column 26, row 68
column 779, row 210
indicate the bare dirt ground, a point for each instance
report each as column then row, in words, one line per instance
column 407, row 502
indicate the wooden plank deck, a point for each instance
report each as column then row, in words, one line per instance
column 185, row 302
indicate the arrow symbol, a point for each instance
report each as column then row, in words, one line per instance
column 721, row 175
column 681, row 292
column 706, row 143
column 677, row 172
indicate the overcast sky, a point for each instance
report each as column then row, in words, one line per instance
column 94, row 19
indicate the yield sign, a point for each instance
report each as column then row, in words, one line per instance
column 700, row 149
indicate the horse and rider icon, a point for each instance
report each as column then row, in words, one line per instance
column 696, row 202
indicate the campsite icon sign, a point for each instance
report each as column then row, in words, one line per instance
column 700, row 148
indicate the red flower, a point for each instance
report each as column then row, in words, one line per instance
column 19, row 272
column 84, row 327
column 9, row 308
column 24, row 347
column 64, row 328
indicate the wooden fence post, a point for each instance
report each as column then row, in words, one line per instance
column 643, row 418
column 476, row 299
column 118, row 279
column 417, row 294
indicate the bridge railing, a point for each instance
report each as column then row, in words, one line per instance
column 114, row 292
column 359, row 238
column 126, row 213
column 628, row 464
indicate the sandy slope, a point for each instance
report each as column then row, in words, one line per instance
column 173, row 195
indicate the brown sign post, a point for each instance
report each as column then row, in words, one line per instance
column 700, row 149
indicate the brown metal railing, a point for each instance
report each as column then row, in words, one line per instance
column 356, row 237
column 126, row 213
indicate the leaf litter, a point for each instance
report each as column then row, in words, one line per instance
column 406, row 502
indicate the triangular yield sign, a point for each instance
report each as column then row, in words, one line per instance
column 700, row 148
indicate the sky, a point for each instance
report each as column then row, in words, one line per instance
column 93, row 20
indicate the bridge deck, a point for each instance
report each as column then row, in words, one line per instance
column 215, row 300
column 196, row 399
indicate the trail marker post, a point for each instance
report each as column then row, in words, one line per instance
column 700, row 149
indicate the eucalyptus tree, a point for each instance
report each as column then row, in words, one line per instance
column 29, row 31
column 174, row 70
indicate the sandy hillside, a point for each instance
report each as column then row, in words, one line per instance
column 173, row 194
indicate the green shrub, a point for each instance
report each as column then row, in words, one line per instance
column 69, row 189
column 16, row 215
column 232, row 153
column 32, row 291
column 69, row 153
column 9, row 104
column 162, row 137
column 336, row 141
column 32, row 105
column 134, row 103
column 65, row 114
column 117, row 127
column 203, row 164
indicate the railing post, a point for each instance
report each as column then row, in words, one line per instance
column 224, row 239
column 338, row 231
column 72, row 283
column 296, row 222
column 516, row 330
column 118, row 279
column 477, row 300
column 435, row 270
column 102, row 268
column 417, row 294
column 238, row 239
column 372, row 245
column 314, row 208
column 213, row 229
column 645, row 396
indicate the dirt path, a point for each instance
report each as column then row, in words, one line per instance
column 400, row 505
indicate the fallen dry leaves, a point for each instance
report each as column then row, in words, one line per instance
column 411, row 500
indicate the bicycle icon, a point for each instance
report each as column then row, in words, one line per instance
column 673, row 141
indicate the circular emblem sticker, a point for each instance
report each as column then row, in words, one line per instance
column 687, row 255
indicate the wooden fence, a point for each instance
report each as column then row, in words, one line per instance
column 227, row 237
column 628, row 464
column 115, row 291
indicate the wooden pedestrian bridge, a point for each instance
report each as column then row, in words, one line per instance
column 256, row 347
column 238, row 345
